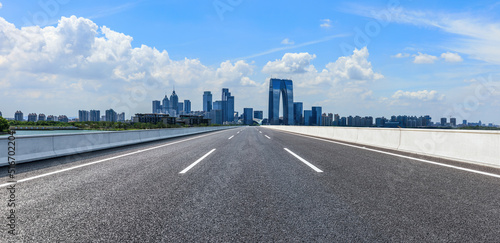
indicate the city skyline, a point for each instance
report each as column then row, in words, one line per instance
column 366, row 58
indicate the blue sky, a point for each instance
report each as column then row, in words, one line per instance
column 368, row 58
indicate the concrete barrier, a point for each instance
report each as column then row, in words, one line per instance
column 478, row 147
column 32, row 148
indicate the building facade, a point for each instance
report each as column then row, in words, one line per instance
column 207, row 101
column 83, row 115
column 316, row 116
column 187, row 107
column 19, row 116
column 248, row 116
column 297, row 113
column 111, row 116
column 95, row 115
column 283, row 87
column 156, row 106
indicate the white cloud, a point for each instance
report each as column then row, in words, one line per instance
column 422, row 95
column 326, row 23
column 451, row 57
column 422, row 58
column 290, row 63
column 287, row 42
column 401, row 55
column 1, row 5
column 355, row 67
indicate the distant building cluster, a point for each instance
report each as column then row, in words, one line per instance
column 171, row 106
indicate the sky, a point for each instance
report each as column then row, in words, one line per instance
column 367, row 58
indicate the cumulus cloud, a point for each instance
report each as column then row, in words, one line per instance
column 287, row 42
column 290, row 63
column 355, row 67
column 422, row 58
column 79, row 59
column 1, row 5
column 401, row 55
column 422, row 95
column 326, row 23
column 451, row 57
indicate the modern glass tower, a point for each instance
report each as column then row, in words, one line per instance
column 207, row 101
column 285, row 88
column 316, row 116
column 174, row 103
column 187, row 106
column 297, row 110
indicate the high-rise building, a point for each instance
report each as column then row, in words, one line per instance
column 174, row 103
column 51, row 118
column 187, row 106
column 120, row 117
column 258, row 115
column 83, row 115
column 156, row 106
column 350, row 121
column 285, row 88
column 32, row 117
column 327, row 120
column 443, row 121
column 95, row 115
column 248, row 116
column 111, row 116
column 19, row 116
column 41, row 117
column 307, row 117
column 227, row 106
column 218, row 104
column 316, row 116
column 336, row 120
column 297, row 113
column 63, row 118
column 207, row 101
column 165, row 105
column 215, row 116
column 453, row 122
column 180, row 108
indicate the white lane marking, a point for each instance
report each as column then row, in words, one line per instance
column 304, row 161
column 196, row 162
column 260, row 131
column 267, row 136
column 103, row 160
column 231, row 137
column 238, row 132
column 406, row 157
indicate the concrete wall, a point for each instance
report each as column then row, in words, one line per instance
column 479, row 147
column 31, row 148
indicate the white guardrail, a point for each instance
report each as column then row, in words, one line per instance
column 31, row 147
column 472, row 146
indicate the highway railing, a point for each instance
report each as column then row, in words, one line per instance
column 37, row 147
column 471, row 146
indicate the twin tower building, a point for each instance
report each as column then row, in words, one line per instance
column 283, row 87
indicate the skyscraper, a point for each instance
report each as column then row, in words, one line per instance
column 316, row 116
column 156, row 106
column 187, row 106
column 111, row 115
column 83, row 115
column 297, row 113
column 180, row 108
column 248, row 116
column 443, row 121
column 174, row 102
column 307, row 117
column 285, row 88
column 207, row 101
column 32, row 117
column 41, row 117
column 165, row 105
column 95, row 115
column 19, row 116
column 258, row 115
column 227, row 106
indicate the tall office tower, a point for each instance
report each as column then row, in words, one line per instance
column 63, row 118
column 350, row 121
column 165, row 105
column 83, row 115
column 187, row 107
column 32, row 117
column 95, row 115
column 207, row 101
column 174, row 102
column 111, row 115
column 156, row 106
column 121, row 117
column 285, row 88
column 336, row 120
column 180, row 108
column 41, row 117
column 443, row 121
column 19, row 116
column 316, row 116
column 453, row 122
column 258, row 115
column 227, row 105
column 248, row 116
column 297, row 113
column 218, row 105
column 307, row 117
column 215, row 116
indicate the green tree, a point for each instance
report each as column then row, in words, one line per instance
column 4, row 124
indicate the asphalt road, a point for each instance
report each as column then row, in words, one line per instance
column 249, row 185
